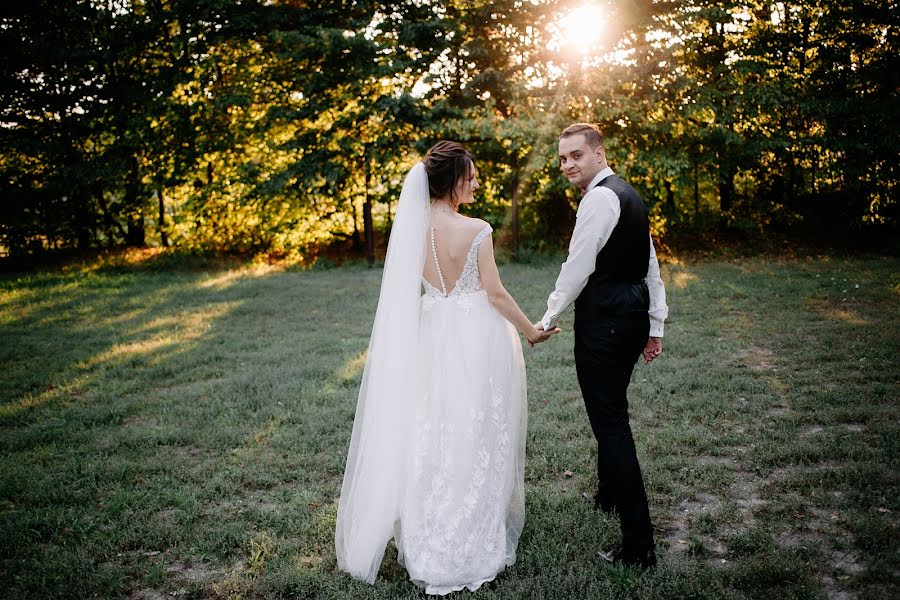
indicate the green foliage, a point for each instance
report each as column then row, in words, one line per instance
column 279, row 127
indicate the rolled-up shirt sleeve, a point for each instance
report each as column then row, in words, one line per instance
column 598, row 213
column 659, row 310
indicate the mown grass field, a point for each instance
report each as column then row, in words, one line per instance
column 182, row 433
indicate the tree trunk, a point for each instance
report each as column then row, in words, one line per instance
column 815, row 170
column 515, row 209
column 357, row 243
column 792, row 178
column 134, row 232
column 83, row 221
column 696, row 187
column 726, row 189
column 109, row 222
column 368, row 227
column 163, row 238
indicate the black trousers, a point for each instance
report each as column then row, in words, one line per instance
column 606, row 350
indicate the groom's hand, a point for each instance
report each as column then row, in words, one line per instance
column 541, row 335
column 652, row 350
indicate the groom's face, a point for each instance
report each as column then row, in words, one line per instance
column 578, row 161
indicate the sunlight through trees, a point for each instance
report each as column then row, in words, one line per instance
column 281, row 127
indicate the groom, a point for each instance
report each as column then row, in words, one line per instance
column 612, row 275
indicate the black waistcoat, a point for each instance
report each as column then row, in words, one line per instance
column 617, row 285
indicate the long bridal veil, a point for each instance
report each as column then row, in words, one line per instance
column 369, row 506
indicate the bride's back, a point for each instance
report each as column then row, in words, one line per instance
column 453, row 235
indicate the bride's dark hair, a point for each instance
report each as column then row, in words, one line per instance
column 445, row 163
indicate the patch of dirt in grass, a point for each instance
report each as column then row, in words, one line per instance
column 310, row 560
column 676, row 531
column 234, row 583
column 796, row 539
column 725, row 461
column 847, row 561
column 168, row 517
column 194, row 572
column 187, row 452
column 778, row 411
column 679, row 535
column 133, row 420
column 817, row 530
column 265, row 506
column 737, row 450
column 745, row 493
column 179, row 576
column 740, row 500
column 564, row 480
column 148, row 594
column 243, row 507
column 760, row 359
column 831, row 591
column 811, row 431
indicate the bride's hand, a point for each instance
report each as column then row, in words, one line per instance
column 538, row 335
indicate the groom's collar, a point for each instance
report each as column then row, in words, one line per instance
column 598, row 178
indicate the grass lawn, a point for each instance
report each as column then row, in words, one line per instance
column 183, row 433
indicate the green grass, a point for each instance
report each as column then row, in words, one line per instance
column 173, row 431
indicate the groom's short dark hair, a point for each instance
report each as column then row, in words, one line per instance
column 590, row 131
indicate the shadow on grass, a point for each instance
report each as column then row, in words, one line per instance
column 156, row 417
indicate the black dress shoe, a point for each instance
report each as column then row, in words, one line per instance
column 611, row 556
column 616, row 556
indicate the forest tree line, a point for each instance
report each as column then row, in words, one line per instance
column 280, row 127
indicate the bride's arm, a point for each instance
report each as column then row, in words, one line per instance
column 501, row 299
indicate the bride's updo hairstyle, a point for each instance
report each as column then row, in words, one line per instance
column 445, row 163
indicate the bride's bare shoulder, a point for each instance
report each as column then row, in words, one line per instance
column 475, row 224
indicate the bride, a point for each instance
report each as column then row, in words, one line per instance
column 438, row 444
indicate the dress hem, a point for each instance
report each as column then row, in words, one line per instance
column 443, row 590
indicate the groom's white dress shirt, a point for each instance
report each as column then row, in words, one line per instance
column 598, row 214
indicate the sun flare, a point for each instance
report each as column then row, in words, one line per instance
column 582, row 27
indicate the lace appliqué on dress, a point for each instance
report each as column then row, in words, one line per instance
column 451, row 540
column 431, row 296
column 464, row 302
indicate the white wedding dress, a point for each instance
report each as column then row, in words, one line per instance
column 464, row 508
column 436, row 456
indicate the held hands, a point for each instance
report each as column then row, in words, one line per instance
column 538, row 335
column 652, row 350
